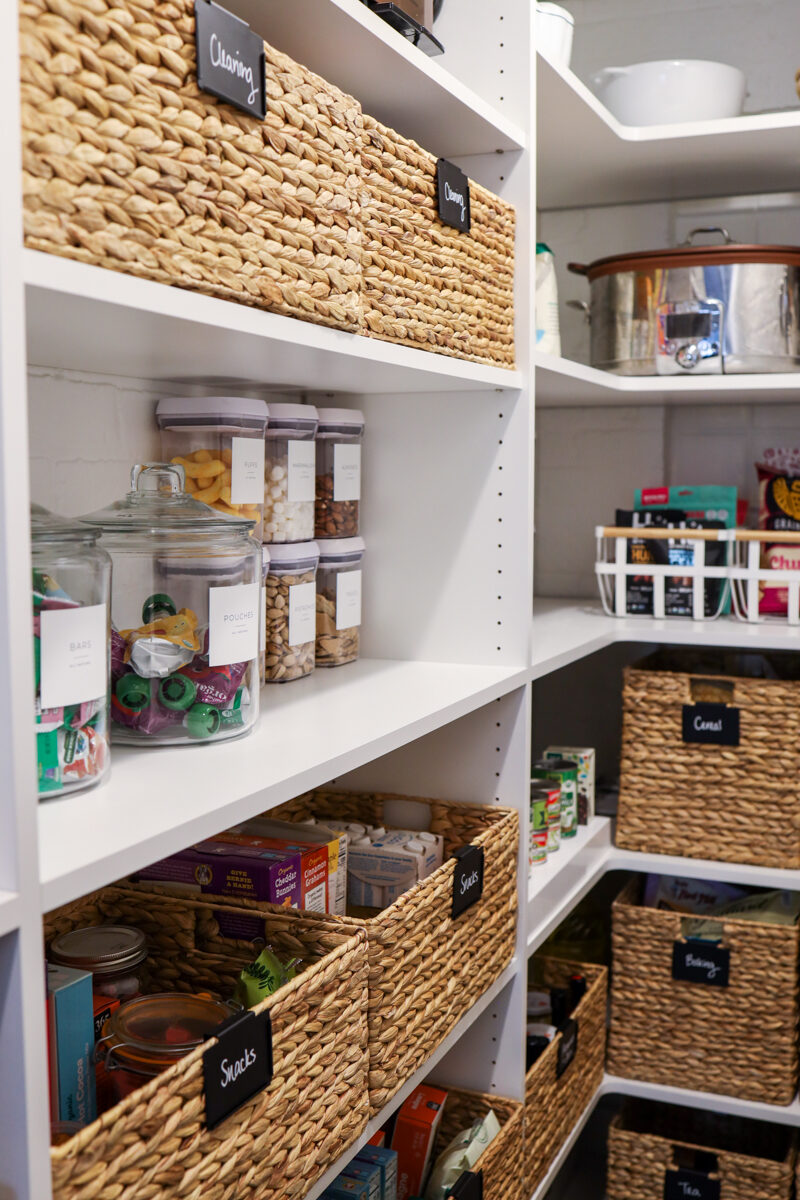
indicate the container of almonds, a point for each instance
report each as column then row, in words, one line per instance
column 338, row 484
column 290, row 611
column 338, row 600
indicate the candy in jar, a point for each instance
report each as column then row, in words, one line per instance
column 289, row 473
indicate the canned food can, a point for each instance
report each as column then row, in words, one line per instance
column 566, row 775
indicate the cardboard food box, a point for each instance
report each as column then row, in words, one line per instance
column 414, row 1137
column 303, row 836
column 70, row 1036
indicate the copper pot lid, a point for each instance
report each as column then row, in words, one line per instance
column 690, row 255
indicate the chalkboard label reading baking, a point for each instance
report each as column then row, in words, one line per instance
column 690, row 1185
column 697, row 961
column 467, row 878
column 230, row 59
column 567, row 1047
column 452, row 194
column 711, row 724
column 468, row 1186
column 239, row 1066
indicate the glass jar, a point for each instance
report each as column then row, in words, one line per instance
column 115, row 955
column 185, row 607
column 338, row 600
column 219, row 442
column 289, row 473
column 290, row 615
column 262, row 621
column 71, row 588
column 338, row 485
column 147, row 1035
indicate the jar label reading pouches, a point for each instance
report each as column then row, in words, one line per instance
column 238, row 1066
column 452, row 196
column 467, row 879
column 233, row 614
column 711, row 724
column 230, row 59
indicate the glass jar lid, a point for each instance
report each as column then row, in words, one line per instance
column 333, row 550
column 220, row 412
column 47, row 527
column 101, row 949
column 158, row 502
column 302, row 417
column 149, row 1033
column 344, row 420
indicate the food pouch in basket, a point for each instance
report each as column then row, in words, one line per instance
column 706, row 506
column 676, row 551
column 779, row 509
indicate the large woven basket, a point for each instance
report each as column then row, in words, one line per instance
column 154, row 1145
column 739, row 1040
column 501, row 1163
column 749, row 1158
column 128, row 165
column 729, row 803
column 553, row 1104
column 426, row 284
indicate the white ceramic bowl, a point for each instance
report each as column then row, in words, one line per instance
column 668, row 92
column 554, row 29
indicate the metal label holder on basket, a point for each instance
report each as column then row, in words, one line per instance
column 742, row 575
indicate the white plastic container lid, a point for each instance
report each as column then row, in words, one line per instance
column 200, row 412
column 292, row 416
column 341, row 418
column 285, row 554
column 340, row 549
column 265, row 560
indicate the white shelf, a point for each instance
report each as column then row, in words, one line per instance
column 86, row 318
column 614, row 1085
column 564, row 384
column 417, row 1078
column 9, row 912
column 555, row 887
column 585, row 154
column 159, row 800
column 393, row 80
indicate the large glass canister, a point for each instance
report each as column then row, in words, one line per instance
column 338, row 487
column 71, row 594
column 219, row 442
column 289, row 473
column 185, row 608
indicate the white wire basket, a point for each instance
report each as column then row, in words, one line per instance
column 742, row 576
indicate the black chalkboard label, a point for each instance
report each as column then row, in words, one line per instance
column 567, row 1047
column 452, row 194
column 690, row 1185
column 701, row 962
column 239, row 1066
column 468, row 1186
column 230, row 59
column 467, row 878
column 711, row 724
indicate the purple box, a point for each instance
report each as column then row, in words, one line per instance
column 218, row 868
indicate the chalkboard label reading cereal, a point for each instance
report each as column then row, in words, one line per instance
column 711, row 724
column 452, row 195
column 467, row 878
column 696, row 961
column 230, row 59
column 691, row 1185
column 238, row 1066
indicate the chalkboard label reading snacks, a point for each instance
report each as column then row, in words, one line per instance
column 690, row 1185
column 467, row 878
column 711, row 724
column 239, row 1066
column 230, row 59
column 568, row 1046
column 701, row 962
column 468, row 1186
column 452, row 194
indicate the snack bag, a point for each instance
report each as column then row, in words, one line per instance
column 779, row 509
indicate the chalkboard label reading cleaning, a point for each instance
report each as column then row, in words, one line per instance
column 468, row 1186
column 230, row 59
column 567, row 1047
column 467, row 878
column 452, row 194
column 239, row 1066
column 697, row 961
column 690, row 1185
column 711, row 724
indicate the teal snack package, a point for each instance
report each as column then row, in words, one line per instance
column 365, row 1173
column 386, row 1159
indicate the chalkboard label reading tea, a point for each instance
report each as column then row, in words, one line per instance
column 239, row 1066
column 468, row 1186
column 697, row 961
column 452, row 193
column 711, row 724
column 230, row 59
column 690, row 1185
column 568, row 1046
column 467, row 878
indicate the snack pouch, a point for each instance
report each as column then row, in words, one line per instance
column 778, row 509
column 705, row 506
column 677, row 551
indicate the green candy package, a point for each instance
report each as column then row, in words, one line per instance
column 262, row 978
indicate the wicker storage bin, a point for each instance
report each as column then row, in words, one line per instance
column 426, row 284
column 749, row 1158
column 729, row 803
column 501, row 1163
column 128, row 165
column 553, row 1103
column 154, row 1143
column 739, row 1040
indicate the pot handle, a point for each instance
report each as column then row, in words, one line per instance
column 726, row 237
column 582, row 307
column 578, row 268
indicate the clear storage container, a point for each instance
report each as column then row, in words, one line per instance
column 262, row 621
column 289, row 473
column 291, row 612
column 219, row 442
column 185, row 608
column 71, row 589
column 115, row 954
column 338, row 600
column 338, row 487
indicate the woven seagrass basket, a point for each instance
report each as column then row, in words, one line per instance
column 426, row 284
column 553, row 1103
column 501, row 1163
column 647, row 1141
column 128, row 165
column 154, row 1143
column 728, row 803
column 739, row 1040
